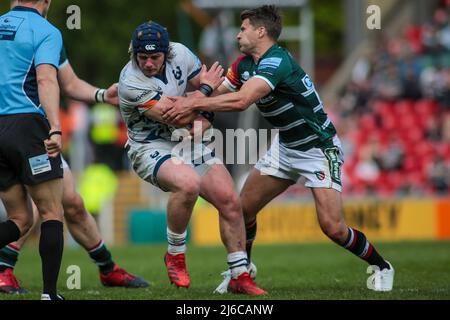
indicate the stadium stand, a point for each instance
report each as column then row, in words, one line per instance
column 394, row 115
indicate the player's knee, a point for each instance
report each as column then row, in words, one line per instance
column 334, row 230
column 24, row 224
column 230, row 204
column 189, row 187
column 23, row 221
column 50, row 210
column 74, row 209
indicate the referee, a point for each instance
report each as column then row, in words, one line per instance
column 30, row 136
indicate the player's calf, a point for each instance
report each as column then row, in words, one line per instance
column 250, row 233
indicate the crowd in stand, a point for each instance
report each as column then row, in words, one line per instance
column 394, row 114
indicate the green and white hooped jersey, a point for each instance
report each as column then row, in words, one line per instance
column 139, row 93
column 294, row 106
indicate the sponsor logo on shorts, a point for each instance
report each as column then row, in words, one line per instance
column 40, row 164
column 335, row 167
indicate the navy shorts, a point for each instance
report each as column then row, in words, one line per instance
column 23, row 158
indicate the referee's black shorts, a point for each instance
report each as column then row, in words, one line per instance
column 23, row 159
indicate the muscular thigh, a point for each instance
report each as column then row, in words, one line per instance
column 16, row 201
column 217, row 185
column 71, row 198
column 148, row 158
column 259, row 189
column 174, row 176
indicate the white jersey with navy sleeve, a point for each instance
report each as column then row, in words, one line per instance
column 138, row 93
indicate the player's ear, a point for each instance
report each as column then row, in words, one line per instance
column 262, row 31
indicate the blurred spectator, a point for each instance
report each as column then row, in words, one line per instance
column 411, row 87
column 438, row 175
column 217, row 41
column 391, row 157
column 98, row 183
column 446, row 128
column 105, row 132
column 431, row 43
column 387, row 84
column 433, row 130
column 366, row 169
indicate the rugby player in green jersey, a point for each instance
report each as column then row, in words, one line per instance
column 307, row 145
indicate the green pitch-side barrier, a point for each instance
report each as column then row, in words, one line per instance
column 148, row 226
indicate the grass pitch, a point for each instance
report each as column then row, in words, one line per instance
column 307, row 271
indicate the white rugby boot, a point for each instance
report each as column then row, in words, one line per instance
column 223, row 287
column 380, row 280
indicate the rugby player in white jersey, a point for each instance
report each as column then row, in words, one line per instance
column 157, row 69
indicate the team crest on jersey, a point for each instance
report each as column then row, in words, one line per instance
column 320, row 175
column 178, row 73
column 246, row 75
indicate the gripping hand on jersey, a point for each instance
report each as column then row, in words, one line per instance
column 180, row 108
column 183, row 106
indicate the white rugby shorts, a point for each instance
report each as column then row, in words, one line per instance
column 318, row 167
column 147, row 158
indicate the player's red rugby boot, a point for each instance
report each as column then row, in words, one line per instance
column 244, row 284
column 176, row 269
column 118, row 277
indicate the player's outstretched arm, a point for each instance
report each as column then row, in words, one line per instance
column 253, row 90
column 78, row 89
column 48, row 91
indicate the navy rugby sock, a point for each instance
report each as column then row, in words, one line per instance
column 9, row 232
column 8, row 257
column 102, row 257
